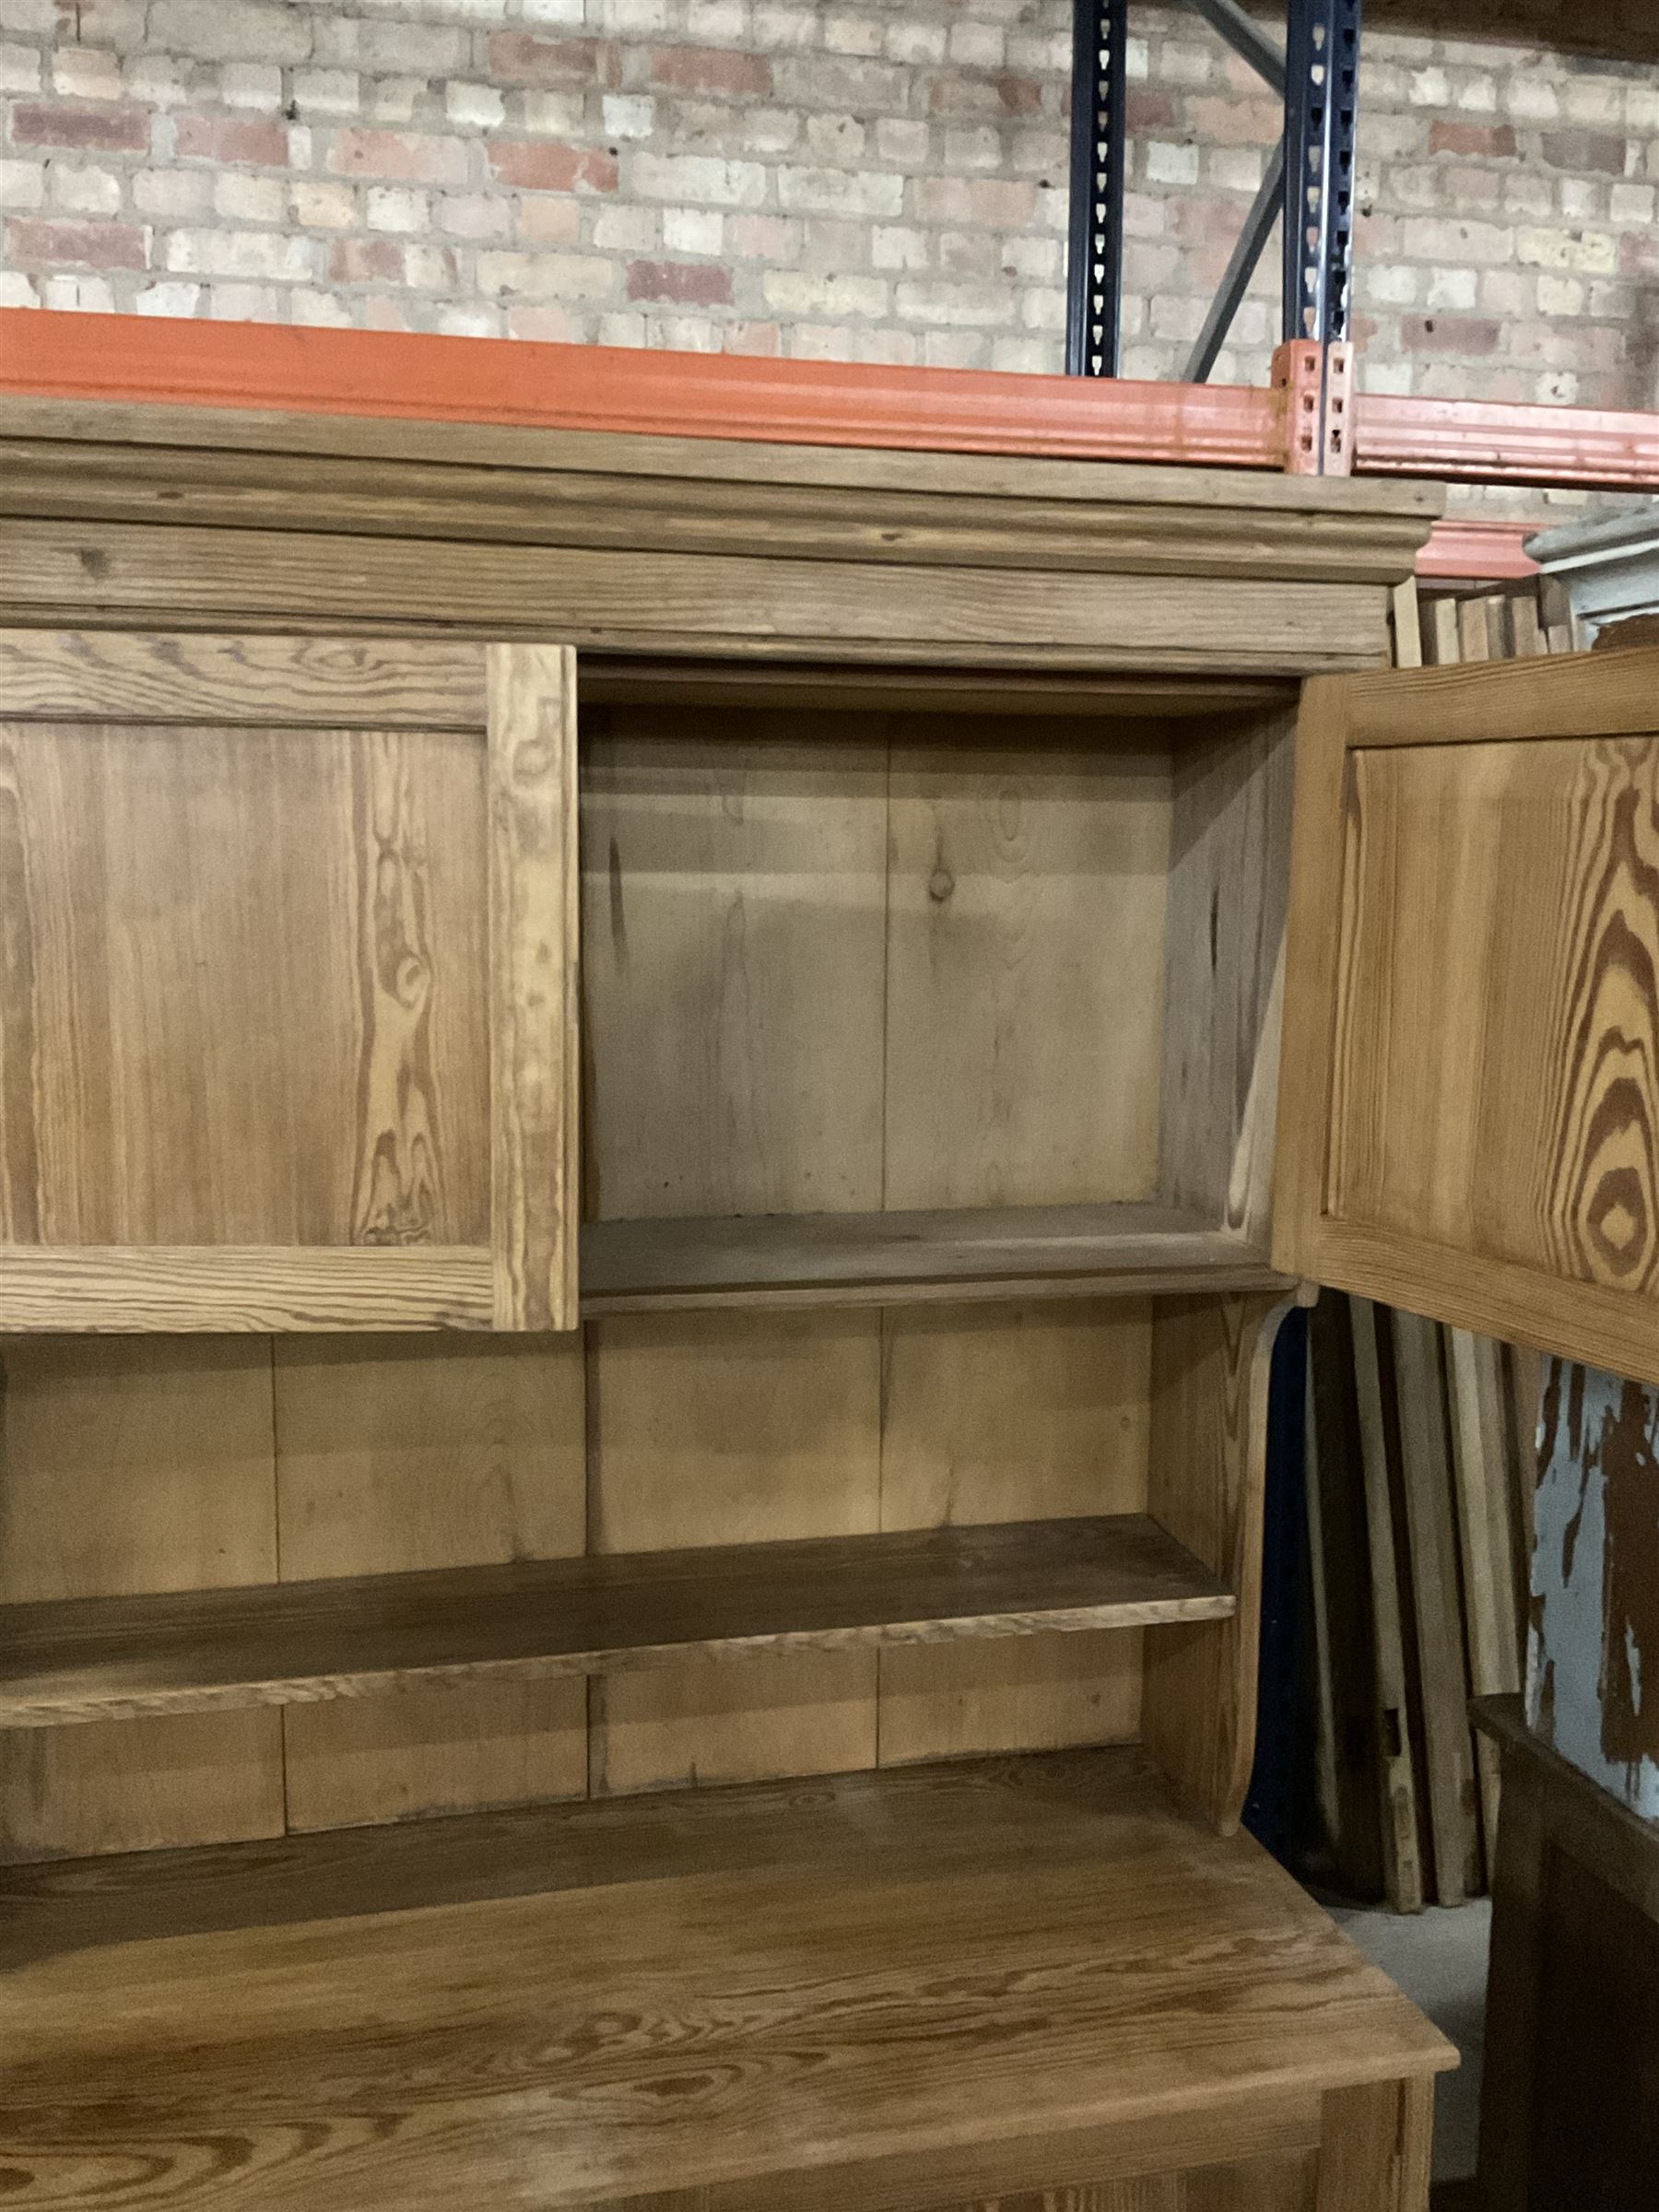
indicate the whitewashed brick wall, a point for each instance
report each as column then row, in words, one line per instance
column 868, row 180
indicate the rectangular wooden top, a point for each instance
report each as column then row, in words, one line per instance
column 583, row 2004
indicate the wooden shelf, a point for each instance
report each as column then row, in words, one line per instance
column 202, row 1651
column 908, row 1988
column 868, row 1259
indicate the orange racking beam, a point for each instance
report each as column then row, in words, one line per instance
column 284, row 369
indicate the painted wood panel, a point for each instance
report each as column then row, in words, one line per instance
column 733, row 922
column 1025, row 1410
column 400, row 1453
column 716, row 1428
column 130, row 1466
column 245, row 996
column 1025, row 983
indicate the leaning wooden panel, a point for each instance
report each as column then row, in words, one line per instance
column 1472, row 1040
column 534, row 939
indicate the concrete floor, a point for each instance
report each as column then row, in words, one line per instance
column 1439, row 1959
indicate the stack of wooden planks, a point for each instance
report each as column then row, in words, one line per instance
column 1421, row 1463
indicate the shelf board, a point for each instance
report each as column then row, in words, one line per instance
column 904, row 1988
column 201, row 1651
column 900, row 1258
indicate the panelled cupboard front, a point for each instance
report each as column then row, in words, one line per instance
column 638, row 1089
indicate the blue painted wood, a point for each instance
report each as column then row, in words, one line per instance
column 1592, row 1646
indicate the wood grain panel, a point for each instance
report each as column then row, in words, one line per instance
column 431, row 1453
column 1498, row 1026
column 1207, row 1483
column 1032, row 1410
column 892, row 1978
column 533, row 943
column 710, row 1428
column 277, row 683
column 734, row 923
column 1229, row 879
column 1024, row 972
column 128, row 1467
column 812, row 609
column 296, row 921
column 165, row 1288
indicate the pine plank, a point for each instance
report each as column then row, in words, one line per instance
column 1401, row 1852
column 131, row 1466
column 879, row 1968
column 363, row 1636
column 1021, row 1056
column 896, row 1258
column 734, row 927
column 993, row 1413
column 1427, row 1475
column 398, row 1455
column 536, row 1054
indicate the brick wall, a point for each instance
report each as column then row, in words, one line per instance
column 866, row 181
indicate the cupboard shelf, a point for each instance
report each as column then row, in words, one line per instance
column 294, row 1644
column 880, row 1989
column 897, row 1258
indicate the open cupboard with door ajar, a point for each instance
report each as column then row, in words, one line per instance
column 642, row 1225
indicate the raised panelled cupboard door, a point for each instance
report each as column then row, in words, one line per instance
column 1469, row 1096
column 287, row 984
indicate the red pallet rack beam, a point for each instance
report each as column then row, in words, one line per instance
column 1483, row 441
column 264, row 366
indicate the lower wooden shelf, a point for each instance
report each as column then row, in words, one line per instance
column 903, row 1989
column 901, row 1258
column 358, row 1636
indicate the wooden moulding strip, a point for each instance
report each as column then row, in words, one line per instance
column 154, row 1289
column 365, row 1636
column 622, row 388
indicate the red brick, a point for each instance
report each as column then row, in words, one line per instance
column 1496, row 141
column 1018, row 95
column 710, row 69
column 692, row 284
column 960, row 92
column 517, row 58
column 545, row 167
column 75, row 245
column 1579, row 150
column 1151, row 112
column 406, row 156
column 1234, row 122
column 233, row 138
column 365, row 261
column 1449, row 334
column 111, row 130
